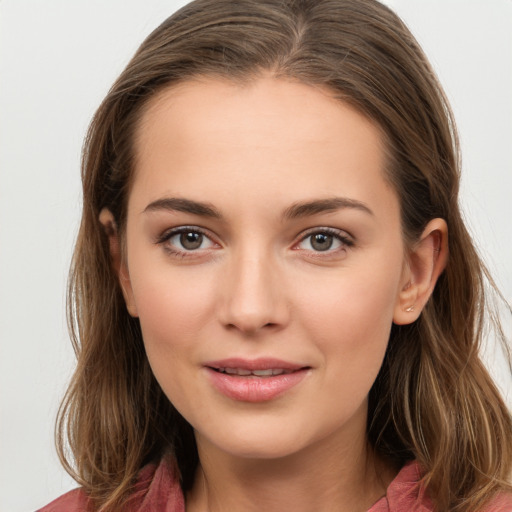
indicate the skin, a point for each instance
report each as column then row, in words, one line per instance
column 257, row 286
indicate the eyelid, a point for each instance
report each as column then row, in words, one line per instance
column 342, row 236
column 171, row 232
column 345, row 238
column 168, row 233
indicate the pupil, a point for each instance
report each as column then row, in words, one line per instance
column 321, row 241
column 191, row 240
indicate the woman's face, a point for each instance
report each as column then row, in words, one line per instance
column 264, row 259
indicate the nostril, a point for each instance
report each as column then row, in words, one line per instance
column 252, row 327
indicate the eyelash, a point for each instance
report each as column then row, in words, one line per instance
column 181, row 253
column 344, row 240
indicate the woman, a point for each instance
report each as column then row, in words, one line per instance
column 274, row 298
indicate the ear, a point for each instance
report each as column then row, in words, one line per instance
column 426, row 261
column 118, row 261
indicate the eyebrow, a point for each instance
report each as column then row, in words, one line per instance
column 296, row 210
column 315, row 207
column 184, row 205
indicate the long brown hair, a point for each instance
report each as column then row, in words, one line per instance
column 433, row 399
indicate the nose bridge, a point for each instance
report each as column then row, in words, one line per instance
column 254, row 298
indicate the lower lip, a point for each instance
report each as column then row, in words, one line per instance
column 254, row 389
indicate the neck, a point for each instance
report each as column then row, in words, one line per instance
column 325, row 477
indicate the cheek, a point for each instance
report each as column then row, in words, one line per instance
column 352, row 333
column 172, row 307
column 173, row 311
column 354, row 301
column 350, row 318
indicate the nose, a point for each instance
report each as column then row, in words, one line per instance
column 253, row 295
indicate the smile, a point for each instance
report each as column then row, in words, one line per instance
column 260, row 380
column 242, row 372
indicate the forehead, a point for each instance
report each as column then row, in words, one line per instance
column 271, row 136
column 207, row 107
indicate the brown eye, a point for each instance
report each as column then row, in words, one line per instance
column 321, row 241
column 325, row 240
column 191, row 240
column 185, row 240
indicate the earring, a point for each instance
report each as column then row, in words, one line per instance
column 410, row 309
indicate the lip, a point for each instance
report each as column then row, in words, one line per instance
column 253, row 388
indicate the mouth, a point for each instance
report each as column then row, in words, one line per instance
column 243, row 372
column 260, row 380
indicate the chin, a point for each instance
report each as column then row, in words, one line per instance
column 259, row 448
column 267, row 438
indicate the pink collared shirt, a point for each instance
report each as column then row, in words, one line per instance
column 159, row 491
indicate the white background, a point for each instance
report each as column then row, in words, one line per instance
column 57, row 60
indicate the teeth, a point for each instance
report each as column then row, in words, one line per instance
column 237, row 371
column 262, row 373
column 257, row 373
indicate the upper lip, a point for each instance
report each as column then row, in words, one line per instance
column 264, row 363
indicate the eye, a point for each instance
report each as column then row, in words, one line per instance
column 185, row 239
column 324, row 240
column 189, row 240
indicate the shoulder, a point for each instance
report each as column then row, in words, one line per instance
column 72, row 501
column 406, row 494
column 501, row 503
column 157, row 489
